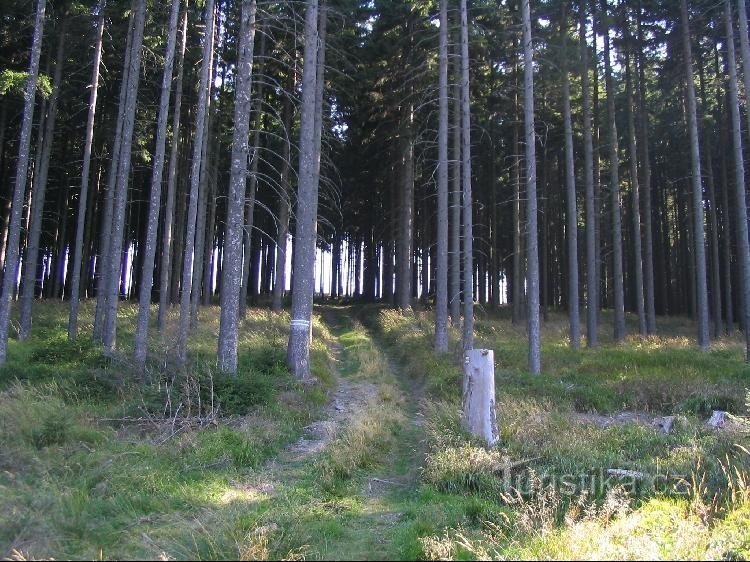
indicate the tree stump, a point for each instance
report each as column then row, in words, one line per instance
column 479, row 416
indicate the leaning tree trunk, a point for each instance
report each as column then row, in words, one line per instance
column 614, row 187
column 572, row 210
column 78, row 247
column 121, row 186
column 31, row 259
column 303, row 282
column 468, row 230
column 441, row 293
column 699, row 244
column 532, row 242
column 147, row 268
column 743, row 248
column 230, row 273
column 592, row 284
column 14, row 226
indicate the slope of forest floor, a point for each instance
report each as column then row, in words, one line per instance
column 371, row 462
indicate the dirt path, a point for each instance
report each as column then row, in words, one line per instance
column 380, row 495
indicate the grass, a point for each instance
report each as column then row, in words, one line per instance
column 89, row 462
column 196, row 465
column 692, row 502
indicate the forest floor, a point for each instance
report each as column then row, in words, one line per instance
column 371, row 462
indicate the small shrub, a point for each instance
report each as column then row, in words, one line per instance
column 238, row 394
column 226, row 445
column 55, row 430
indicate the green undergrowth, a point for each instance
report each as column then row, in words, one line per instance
column 192, row 464
column 545, row 491
column 94, row 461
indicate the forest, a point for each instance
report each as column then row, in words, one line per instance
column 374, row 279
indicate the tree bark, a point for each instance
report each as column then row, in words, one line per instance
column 231, row 281
column 103, row 258
column 165, row 265
column 78, row 250
column 31, row 259
column 572, row 208
column 285, row 203
column 532, row 244
column 121, row 186
column 303, row 282
column 441, row 293
column 149, row 249
column 614, row 187
column 635, row 190
column 648, row 241
column 592, row 282
column 699, row 244
column 455, row 211
column 250, row 199
column 479, row 416
column 743, row 248
column 468, row 229
column 195, row 176
column 11, row 260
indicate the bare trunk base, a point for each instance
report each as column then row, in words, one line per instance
column 479, row 416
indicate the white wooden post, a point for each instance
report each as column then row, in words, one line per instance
column 479, row 416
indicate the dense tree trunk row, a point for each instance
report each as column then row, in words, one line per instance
column 417, row 187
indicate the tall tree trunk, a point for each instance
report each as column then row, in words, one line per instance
column 715, row 269
column 635, row 189
column 251, row 194
column 744, row 49
column 210, row 241
column 11, row 261
column 699, row 244
column 441, row 293
column 195, row 177
column 455, row 211
column 303, row 282
column 468, row 229
column 167, row 250
column 78, row 250
column 152, row 225
column 517, row 296
column 743, row 248
column 103, row 259
column 404, row 286
column 121, row 186
column 726, row 238
column 614, row 187
column 648, row 241
column 201, row 218
column 31, row 259
column 572, row 208
column 532, row 242
column 592, row 283
column 285, row 202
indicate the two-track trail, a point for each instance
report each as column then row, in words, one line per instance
column 340, row 491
